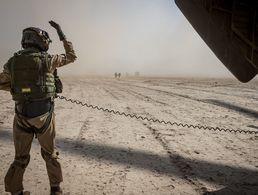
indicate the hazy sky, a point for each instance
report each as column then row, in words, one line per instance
column 149, row 36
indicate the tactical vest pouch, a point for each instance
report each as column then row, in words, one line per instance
column 58, row 83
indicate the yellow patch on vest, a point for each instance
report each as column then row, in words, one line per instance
column 26, row 90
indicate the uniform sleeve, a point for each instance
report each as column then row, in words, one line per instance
column 5, row 79
column 59, row 60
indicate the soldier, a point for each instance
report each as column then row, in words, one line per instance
column 29, row 76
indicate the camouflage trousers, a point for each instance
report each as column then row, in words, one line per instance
column 22, row 142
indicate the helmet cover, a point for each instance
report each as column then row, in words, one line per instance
column 35, row 37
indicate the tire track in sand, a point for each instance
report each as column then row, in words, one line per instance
column 186, row 170
column 144, row 98
column 138, row 95
column 241, row 111
column 118, row 178
column 110, row 93
column 200, row 88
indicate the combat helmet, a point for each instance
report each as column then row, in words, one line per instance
column 35, row 37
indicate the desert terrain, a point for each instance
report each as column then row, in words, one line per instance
column 106, row 154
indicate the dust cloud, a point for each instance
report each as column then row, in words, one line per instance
column 148, row 36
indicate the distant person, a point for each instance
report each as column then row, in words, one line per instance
column 115, row 75
column 119, row 75
column 29, row 76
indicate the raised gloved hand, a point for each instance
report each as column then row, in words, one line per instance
column 58, row 29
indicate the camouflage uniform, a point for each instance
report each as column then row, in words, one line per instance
column 23, row 139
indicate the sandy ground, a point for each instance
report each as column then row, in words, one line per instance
column 107, row 154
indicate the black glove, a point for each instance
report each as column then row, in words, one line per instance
column 58, row 29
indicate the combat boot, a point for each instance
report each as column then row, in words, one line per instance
column 56, row 191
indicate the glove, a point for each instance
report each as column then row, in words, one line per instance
column 58, row 29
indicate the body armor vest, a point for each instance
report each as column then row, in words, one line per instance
column 30, row 80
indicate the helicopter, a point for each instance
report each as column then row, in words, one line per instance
column 230, row 29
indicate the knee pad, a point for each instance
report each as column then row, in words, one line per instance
column 49, row 156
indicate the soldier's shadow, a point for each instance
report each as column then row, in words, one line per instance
column 236, row 180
